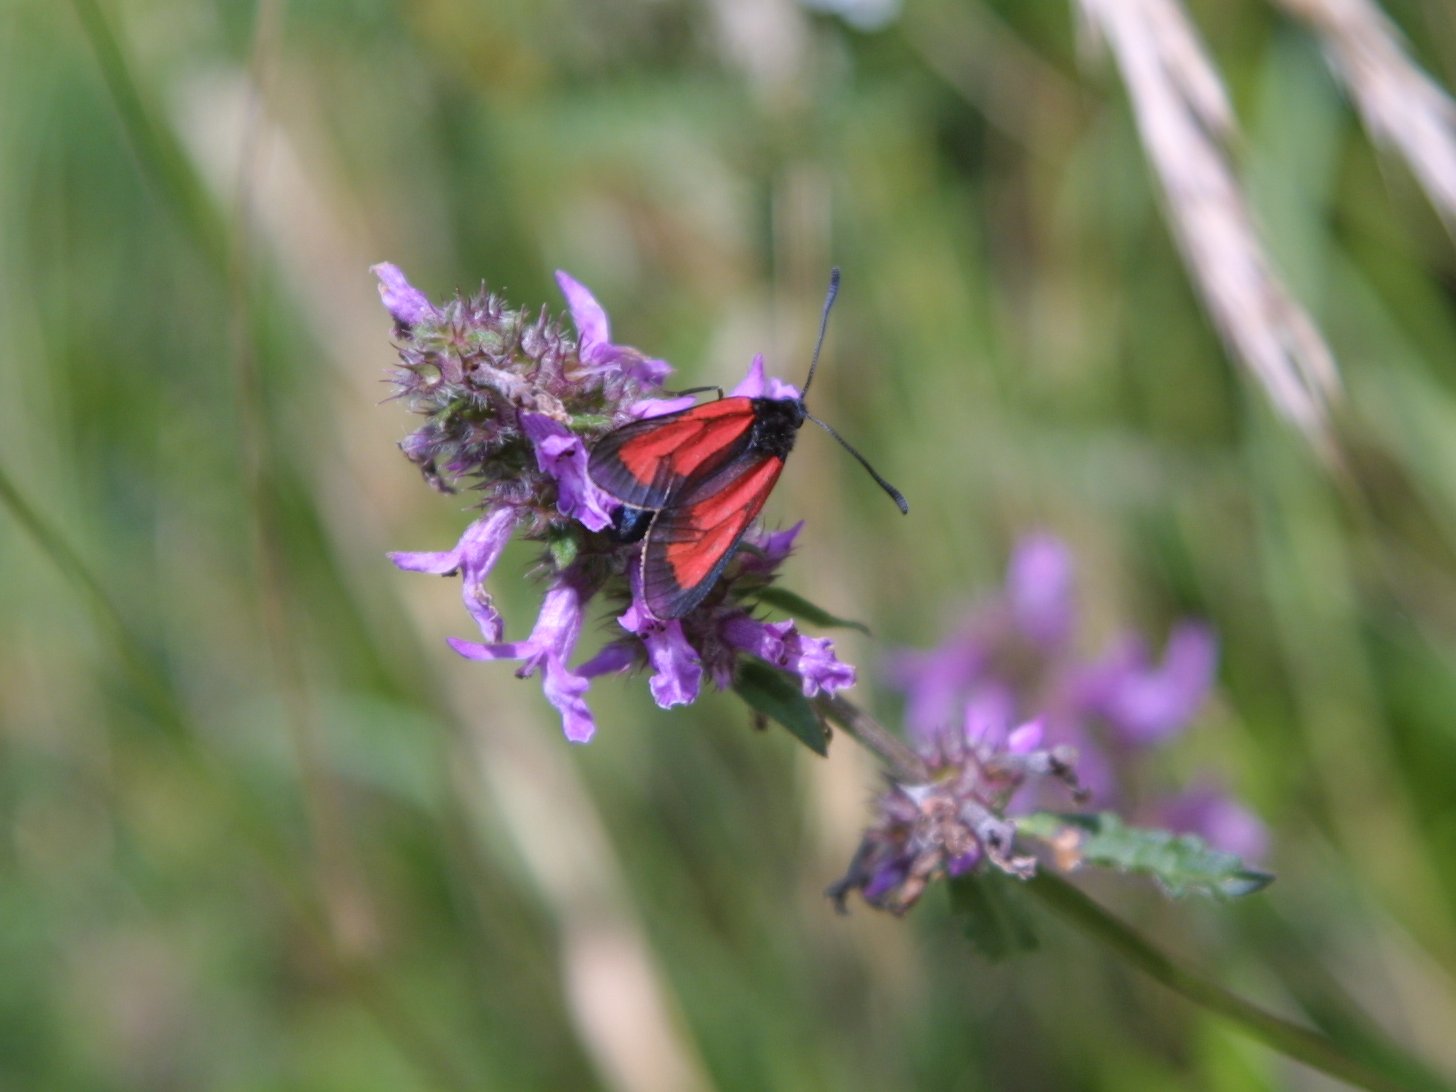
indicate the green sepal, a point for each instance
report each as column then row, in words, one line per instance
column 1181, row 864
column 589, row 422
column 796, row 605
column 774, row 694
column 993, row 913
column 563, row 544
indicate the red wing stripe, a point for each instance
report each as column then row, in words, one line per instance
column 646, row 462
column 690, row 542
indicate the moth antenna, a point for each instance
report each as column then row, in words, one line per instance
column 895, row 494
column 823, row 326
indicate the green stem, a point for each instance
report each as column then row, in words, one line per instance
column 1293, row 1040
column 903, row 764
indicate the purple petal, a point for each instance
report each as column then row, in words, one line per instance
column 586, row 313
column 781, row 644
column 473, row 557
column 552, row 641
column 565, row 689
column 656, row 407
column 677, row 669
column 563, row 455
column 1148, row 705
column 1026, row 738
column 890, row 875
column 474, row 650
column 613, row 658
column 959, row 866
column 594, row 344
column 1039, row 586
column 403, row 300
column 754, row 385
column 820, row 669
column 990, row 709
column 774, row 546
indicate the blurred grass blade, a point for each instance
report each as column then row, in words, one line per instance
column 1183, row 118
column 156, row 146
column 1402, row 107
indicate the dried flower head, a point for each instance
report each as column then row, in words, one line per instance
column 955, row 820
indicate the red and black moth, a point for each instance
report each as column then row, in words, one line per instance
column 692, row 481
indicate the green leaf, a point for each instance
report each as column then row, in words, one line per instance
column 993, row 913
column 775, row 695
column 1181, row 864
column 795, row 604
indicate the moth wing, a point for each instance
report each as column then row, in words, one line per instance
column 645, row 463
column 693, row 538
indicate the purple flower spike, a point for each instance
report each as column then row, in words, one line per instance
column 552, row 641
column 474, row 556
column 1146, row 704
column 404, row 301
column 677, row 669
column 510, row 405
column 1039, row 588
column 595, row 349
column 563, row 456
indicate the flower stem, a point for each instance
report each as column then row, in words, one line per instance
column 899, row 759
column 1301, row 1043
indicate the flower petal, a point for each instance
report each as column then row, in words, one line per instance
column 754, row 385
column 404, row 301
column 587, row 314
column 563, row 455
column 1039, row 587
column 473, row 557
column 1219, row 820
column 1148, row 704
column 812, row 659
column 594, row 345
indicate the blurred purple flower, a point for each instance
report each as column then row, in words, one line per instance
column 1040, row 591
column 1146, row 704
column 1221, row 821
column 1002, row 651
column 1014, row 660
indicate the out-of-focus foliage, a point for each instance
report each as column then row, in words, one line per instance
column 272, row 833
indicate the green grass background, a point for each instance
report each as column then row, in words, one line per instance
column 261, row 829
